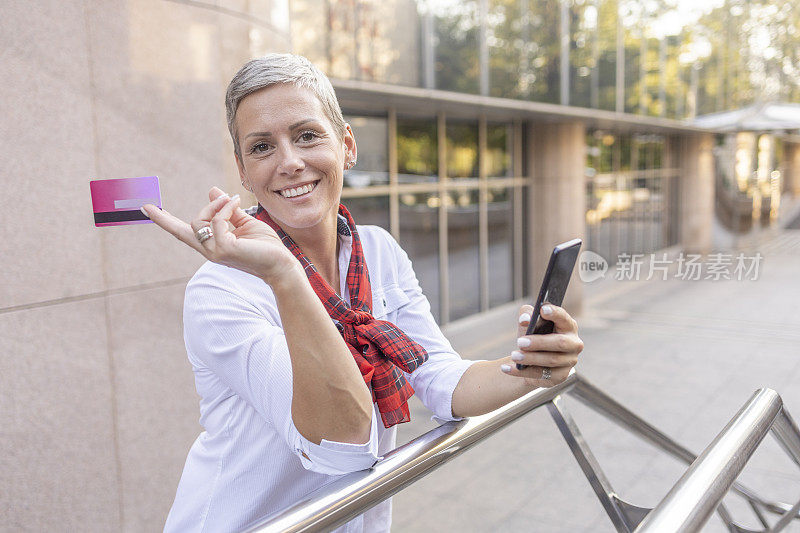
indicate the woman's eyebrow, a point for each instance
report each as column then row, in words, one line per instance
column 258, row 134
column 269, row 134
column 301, row 123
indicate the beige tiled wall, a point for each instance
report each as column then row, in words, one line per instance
column 57, row 420
column 48, row 155
column 97, row 400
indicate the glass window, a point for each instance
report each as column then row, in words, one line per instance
column 509, row 66
column 543, row 52
column 385, row 52
column 457, row 33
column 419, row 237
column 369, row 210
column 501, row 257
column 498, row 150
column 635, row 45
column 359, row 39
column 462, row 149
column 463, row 257
column 372, row 142
column 310, row 28
column 417, row 150
column 607, row 54
column 583, row 38
column 628, row 206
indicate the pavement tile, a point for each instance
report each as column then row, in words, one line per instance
column 684, row 356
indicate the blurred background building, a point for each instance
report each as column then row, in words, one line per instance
column 488, row 131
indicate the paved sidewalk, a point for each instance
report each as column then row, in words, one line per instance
column 684, row 355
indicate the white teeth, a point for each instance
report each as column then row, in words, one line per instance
column 291, row 193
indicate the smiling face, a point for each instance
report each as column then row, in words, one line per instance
column 292, row 157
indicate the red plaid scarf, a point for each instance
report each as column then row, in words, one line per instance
column 379, row 347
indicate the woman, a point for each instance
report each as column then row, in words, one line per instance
column 306, row 333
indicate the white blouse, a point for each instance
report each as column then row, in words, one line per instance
column 251, row 461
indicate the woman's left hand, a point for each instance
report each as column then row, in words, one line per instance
column 556, row 352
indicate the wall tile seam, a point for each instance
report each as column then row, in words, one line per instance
column 96, row 295
column 93, row 100
column 247, row 17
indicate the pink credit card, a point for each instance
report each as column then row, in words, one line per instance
column 117, row 201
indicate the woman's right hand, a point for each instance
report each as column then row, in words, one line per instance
column 252, row 246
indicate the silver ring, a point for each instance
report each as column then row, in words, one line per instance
column 546, row 372
column 203, row 234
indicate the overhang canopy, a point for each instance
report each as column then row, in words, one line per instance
column 768, row 116
column 362, row 96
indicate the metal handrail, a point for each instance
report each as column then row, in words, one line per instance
column 352, row 494
column 690, row 502
column 685, row 508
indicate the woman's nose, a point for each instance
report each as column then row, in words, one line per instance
column 289, row 160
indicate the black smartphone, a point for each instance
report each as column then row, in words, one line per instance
column 554, row 286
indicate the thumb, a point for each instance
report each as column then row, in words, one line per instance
column 240, row 217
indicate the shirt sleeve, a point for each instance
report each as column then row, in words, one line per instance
column 435, row 380
column 247, row 351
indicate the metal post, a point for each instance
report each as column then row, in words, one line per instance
column 517, row 210
column 564, row 40
column 595, row 75
column 642, row 72
column 394, row 193
column 620, row 84
column 662, row 77
column 483, row 216
column 483, row 56
column 428, row 50
column 444, row 273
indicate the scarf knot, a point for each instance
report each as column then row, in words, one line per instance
column 382, row 351
column 360, row 318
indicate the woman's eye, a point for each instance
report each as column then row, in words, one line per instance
column 308, row 136
column 260, row 148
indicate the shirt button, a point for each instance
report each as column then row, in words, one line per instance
column 364, row 350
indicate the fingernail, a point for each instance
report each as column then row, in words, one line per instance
column 546, row 310
column 235, row 196
column 223, row 195
column 523, row 342
column 517, row 356
column 144, row 212
column 524, row 317
column 505, row 368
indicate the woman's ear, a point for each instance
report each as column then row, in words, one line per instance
column 350, row 148
column 242, row 173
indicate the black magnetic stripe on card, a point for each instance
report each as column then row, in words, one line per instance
column 119, row 216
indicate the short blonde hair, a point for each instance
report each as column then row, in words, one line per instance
column 273, row 69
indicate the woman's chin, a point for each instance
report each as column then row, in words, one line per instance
column 300, row 218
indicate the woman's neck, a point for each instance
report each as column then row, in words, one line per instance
column 320, row 244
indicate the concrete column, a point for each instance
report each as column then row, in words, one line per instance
column 791, row 165
column 692, row 155
column 556, row 201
